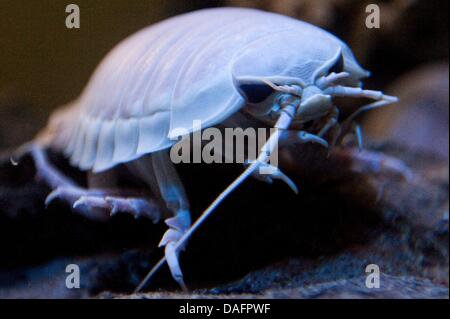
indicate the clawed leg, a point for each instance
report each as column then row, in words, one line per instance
column 178, row 225
column 267, row 173
column 137, row 207
column 173, row 194
column 94, row 204
column 71, row 194
column 300, row 137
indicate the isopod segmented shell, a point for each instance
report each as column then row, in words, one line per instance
column 183, row 69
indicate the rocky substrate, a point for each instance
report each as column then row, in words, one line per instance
column 263, row 242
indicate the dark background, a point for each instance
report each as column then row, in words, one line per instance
column 43, row 64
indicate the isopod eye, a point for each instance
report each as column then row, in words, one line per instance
column 256, row 93
column 338, row 66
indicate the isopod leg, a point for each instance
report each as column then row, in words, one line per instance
column 267, row 172
column 290, row 137
column 71, row 195
column 95, row 204
column 45, row 170
column 330, row 123
column 173, row 194
column 135, row 206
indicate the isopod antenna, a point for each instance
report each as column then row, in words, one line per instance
column 289, row 109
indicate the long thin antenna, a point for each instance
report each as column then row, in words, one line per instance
column 283, row 123
column 200, row 220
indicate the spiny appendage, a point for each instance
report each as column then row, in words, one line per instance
column 178, row 225
column 300, row 137
column 94, row 204
column 268, row 173
column 90, row 201
column 99, row 204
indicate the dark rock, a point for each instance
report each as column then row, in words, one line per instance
column 313, row 245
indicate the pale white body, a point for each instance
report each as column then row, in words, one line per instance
column 183, row 69
column 207, row 66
